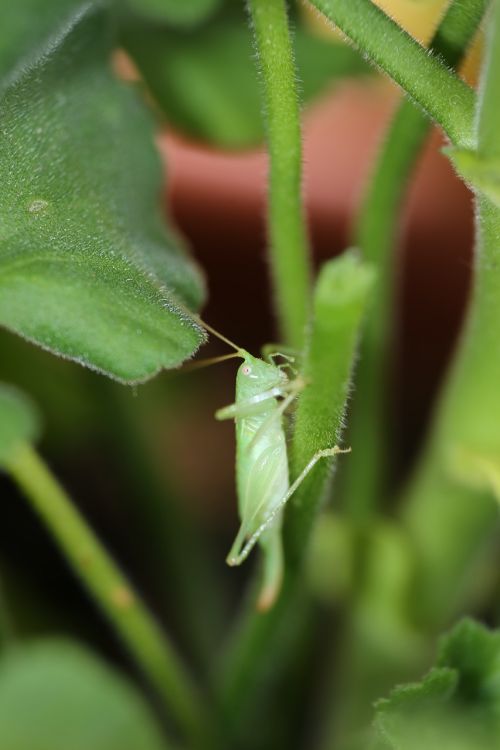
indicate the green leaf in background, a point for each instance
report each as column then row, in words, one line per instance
column 56, row 695
column 25, row 25
column 19, row 420
column 205, row 81
column 176, row 12
column 87, row 269
column 457, row 705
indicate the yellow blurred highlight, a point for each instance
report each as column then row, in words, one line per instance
column 418, row 17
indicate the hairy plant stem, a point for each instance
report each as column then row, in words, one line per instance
column 450, row 511
column 259, row 649
column 113, row 593
column 340, row 299
column 342, row 294
column 437, row 90
column 289, row 247
column 377, row 233
column 368, row 667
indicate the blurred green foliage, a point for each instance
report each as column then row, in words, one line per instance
column 204, row 80
column 18, row 423
column 179, row 14
column 57, row 694
column 90, row 271
column 457, row 705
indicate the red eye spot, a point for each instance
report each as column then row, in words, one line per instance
column 245, row 370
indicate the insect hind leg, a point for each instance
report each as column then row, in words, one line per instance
column 236, row 556
column 252, row 541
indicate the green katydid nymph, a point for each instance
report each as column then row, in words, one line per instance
column 263, row 393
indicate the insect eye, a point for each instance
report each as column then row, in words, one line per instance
column 246, row 370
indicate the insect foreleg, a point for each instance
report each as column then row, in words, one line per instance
column 250, row 406
column 272, row 355
column 269, row 351
column 293, row 488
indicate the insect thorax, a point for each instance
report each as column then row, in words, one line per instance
column 256, row 376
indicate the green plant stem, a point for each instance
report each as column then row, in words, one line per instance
column 177, row 550
column 341, row 296
column 366, row 477
column 366, row 662
column 340, row 299
column 450, row 511
column 111, row 590
column 489, row 106
column 7, row 632
column 261, row 645
column 289, row 250
column 377, row 232
column 440, row 93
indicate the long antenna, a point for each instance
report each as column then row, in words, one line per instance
column 216, row 333
column 199, row 363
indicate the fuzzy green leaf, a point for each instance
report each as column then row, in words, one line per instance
column 56, row 695
column 205, row 81
column 457, row 705
column 25, row 28
column 87, row 269
column 18, row 420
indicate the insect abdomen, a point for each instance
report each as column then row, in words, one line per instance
column 262, row 468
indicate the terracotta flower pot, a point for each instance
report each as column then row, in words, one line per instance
column 218, row 200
